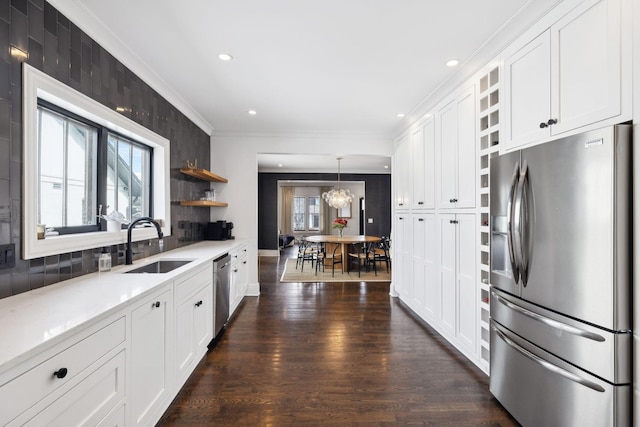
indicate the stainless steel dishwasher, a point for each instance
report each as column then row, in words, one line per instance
column 221, row 279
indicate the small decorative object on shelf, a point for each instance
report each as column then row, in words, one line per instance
column 340, row 224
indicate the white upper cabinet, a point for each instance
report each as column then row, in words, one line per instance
column 402, row 174
column 423, row 156
column 568, row 77
column 458, row 152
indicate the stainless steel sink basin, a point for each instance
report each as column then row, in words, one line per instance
column 159, row 267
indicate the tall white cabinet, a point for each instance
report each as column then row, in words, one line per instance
column 568, row 73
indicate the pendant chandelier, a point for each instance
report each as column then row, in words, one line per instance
column 339, row 198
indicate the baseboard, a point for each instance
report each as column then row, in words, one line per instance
column 253, row 290
column 392, row 291
column 268, row 252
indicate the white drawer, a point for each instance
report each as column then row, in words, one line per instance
column 89, row 402
column 186, row 286
column 30, row 387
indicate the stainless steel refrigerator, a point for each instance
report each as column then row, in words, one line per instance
column 560, row 278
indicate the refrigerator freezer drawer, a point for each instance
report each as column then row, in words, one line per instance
column 539, row 389
column 601, row 352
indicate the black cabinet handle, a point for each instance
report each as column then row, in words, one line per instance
column 155, row 304
column 420, row 219
column 453, row 221
column 421, row 203
column 453, row 200
column 549, row 122
column 199, row 303
column 60, row 373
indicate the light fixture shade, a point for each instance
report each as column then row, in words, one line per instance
column 338, row 199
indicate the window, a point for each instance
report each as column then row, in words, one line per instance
column 68, row 170
column 306, row 213
column 67, row 190
column 77, row 181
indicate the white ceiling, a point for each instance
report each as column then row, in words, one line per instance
column 338, row 66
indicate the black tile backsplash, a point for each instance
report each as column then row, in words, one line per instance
column 59, row 48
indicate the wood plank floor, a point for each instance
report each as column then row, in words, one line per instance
column 334, row 354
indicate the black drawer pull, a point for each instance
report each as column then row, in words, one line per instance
column 155, row 304
column 60, row 373
column 199, row 303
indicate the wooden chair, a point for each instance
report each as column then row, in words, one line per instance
column 381, row 252
column 306, row 252
column 334, row 256
column 363, row 255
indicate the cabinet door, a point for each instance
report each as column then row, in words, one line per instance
column 402, row 174
column 432, row 285
column 150, row 362
column 527, row 90
column 466, row 151
column 417, row 159
column 203, row 318
column 586, row 65
column 467, row 318
column 417, row 254
column 185, row 340
column 401, row 246
column 448, row 273
column 448, row 120
column 430, row 164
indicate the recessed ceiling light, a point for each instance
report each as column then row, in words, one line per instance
column 386, row 166
column 452, row 62
column 252, row 112
column 279, row 165
column 224, row 57
column 19, row 54
column 400, row 115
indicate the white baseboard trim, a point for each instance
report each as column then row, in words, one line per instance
column 268, row 252
column 392, row 291
column 253, row 290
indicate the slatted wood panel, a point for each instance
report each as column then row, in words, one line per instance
column 337, row 354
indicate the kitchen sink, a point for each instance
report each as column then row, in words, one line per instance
column 159, row 267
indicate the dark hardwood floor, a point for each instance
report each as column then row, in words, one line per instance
column 341, row 354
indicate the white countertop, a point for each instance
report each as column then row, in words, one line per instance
column 38, row 319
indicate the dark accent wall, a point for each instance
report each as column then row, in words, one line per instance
column 59, row 48
column 377, row 202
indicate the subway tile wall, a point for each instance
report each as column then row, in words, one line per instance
column 58, row 47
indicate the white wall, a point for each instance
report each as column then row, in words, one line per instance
column 235, row 158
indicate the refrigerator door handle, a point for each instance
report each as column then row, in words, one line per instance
column 510, row 209
column 547, row 365
column 523, row 187
column 547, row 321
column 516, row 224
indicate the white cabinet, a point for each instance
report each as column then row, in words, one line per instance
column 568, row 77
column 239, row 278
column 78, row 382
column 194, row 320
column 457, row 278
column 457, row 145
column 402, row 174
column 401, row 246
column 151, row 370
column 423, row 158
column 425, row 297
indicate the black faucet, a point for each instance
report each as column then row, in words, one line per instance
column 129, row 254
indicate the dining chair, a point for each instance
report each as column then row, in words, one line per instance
column 363, row 255
column 306, row 252
column 381, row 252
column 334, row 256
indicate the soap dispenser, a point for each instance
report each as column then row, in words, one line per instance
column 104, row 263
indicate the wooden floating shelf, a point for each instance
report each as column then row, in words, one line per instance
column 203, row 174
column 203, row 203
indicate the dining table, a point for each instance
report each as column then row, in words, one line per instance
column 346, row 239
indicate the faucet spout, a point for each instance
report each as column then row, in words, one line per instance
column 129, row 253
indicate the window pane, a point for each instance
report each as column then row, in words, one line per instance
column 314, row 213
column 128, row 178
column 299, row 208
column 67, row 188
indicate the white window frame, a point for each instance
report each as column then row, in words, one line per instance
column 38, row 85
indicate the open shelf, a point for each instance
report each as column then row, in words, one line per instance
column 202, row 203
column 203, row 174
